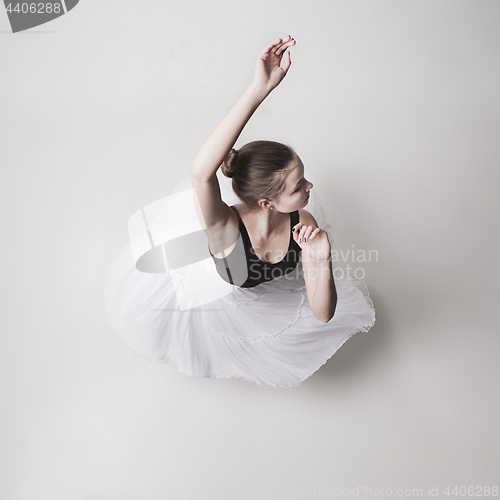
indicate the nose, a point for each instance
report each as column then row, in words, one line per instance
column 310, row 186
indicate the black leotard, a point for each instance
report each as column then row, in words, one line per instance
column 232, row 268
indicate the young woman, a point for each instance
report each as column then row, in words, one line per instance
column 269, row 178
column 276, row 313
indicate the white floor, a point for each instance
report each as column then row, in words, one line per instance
column 394, row 109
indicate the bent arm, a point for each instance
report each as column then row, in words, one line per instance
column 318, row 271
column 320, row 285
column 225, row 134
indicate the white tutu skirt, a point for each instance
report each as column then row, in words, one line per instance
column 190, row 317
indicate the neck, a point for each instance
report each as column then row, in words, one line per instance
column 266, row 222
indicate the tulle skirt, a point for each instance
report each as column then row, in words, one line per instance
column 164, row 299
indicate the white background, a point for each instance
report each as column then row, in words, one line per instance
column 393, row 107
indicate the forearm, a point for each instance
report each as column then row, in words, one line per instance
column 321, row 292
column 225, row 134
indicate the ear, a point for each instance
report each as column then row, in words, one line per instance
column 265, row 203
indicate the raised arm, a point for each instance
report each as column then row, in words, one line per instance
column 223, row 137
column 268, row 75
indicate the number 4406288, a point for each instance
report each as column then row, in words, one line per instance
column 471, row 491
column 34, row 8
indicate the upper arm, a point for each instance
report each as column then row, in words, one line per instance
column 210, row 208
column 306, row 218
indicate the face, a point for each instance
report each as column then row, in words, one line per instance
column 296, row 193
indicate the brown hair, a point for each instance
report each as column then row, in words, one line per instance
column 258, row 170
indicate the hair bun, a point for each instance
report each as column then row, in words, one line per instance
column 228, row 166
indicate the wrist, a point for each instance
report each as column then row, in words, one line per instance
column 325, row 260
column 258, row 90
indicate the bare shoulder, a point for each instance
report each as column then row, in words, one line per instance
column 306, row 218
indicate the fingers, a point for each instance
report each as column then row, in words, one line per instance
column 287, row 62
column 297, row 229
column 290, row 42
column 297, row 226
column 287, row 59
column 300, row 236
column 304, row 233
column 314, row 233
column 273, row 44
column 279, row 45
column 308, row 232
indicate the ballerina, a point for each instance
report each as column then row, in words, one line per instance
column 269, row 177
column 276, row 312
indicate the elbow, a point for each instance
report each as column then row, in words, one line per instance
column 329, row 316
column 325, row 318
column 197, row 172
column 201, row 171
column 326, row 311
column 328, row 319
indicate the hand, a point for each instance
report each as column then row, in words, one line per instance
column 312, row 240
column 268, row 73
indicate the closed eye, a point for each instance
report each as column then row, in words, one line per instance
column 298, row 187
